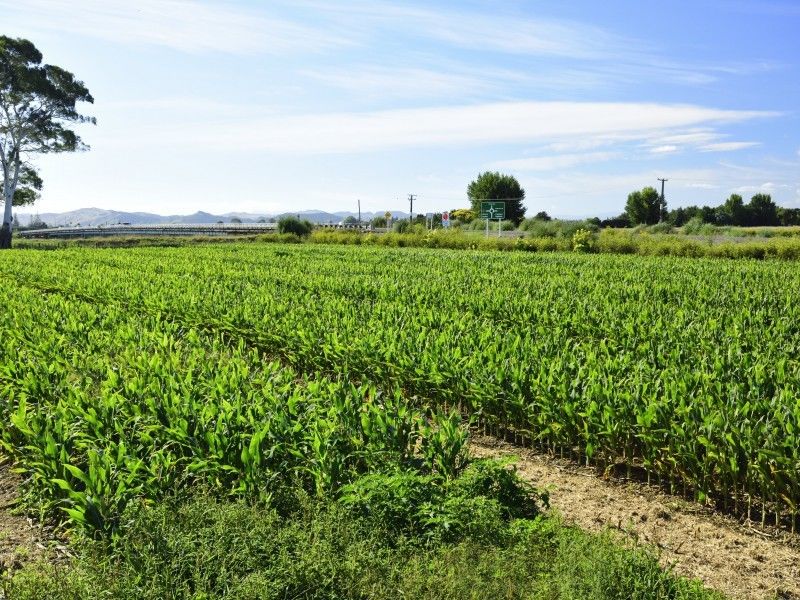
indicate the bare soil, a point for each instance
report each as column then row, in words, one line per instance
column 736, row 559
column 21, row 538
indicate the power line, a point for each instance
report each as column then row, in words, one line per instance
column 496, row 199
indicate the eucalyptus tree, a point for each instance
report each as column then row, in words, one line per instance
column 37, row 106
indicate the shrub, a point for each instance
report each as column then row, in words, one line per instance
column 295, row 226
column 477, row 503
column 556, row 228
column 696, row 226
column 663, row 227
column 583, row 241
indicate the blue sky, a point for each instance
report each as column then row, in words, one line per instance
column 311, row 104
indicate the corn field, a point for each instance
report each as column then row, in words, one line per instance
column 127, row 373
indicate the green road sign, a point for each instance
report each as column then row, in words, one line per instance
column 493, row 210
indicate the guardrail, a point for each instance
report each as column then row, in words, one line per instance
column 165, row 229
column 173, row 229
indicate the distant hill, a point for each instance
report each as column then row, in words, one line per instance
column 100, row 216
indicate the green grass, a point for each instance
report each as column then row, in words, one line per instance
column 206, row 548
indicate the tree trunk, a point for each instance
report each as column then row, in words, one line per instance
column 5, row 237
column 5, row 229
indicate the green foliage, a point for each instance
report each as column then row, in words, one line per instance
column 205, row 548
column 762, row 210
column 402, row 226
column 98, row 437
column 41, row 97
column 645, row 206
column 496, row 186
column 734, row 211
column 555, row 228
column 319, row 391
column 128, row 374
column 37, row 102
column 767, row 243
column 476, row 504
column 583, row 241
column 295, row 226
column 480, row 225
column 696, row 226
column 28, row 187
column 498, row 481
column 463, row 215
column 378, row 221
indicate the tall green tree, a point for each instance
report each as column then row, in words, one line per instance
column 496, row 186
column 37, row 103
column 734, row 211
column 762, row 210
column 645, row 206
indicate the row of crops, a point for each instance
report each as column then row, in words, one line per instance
column 687, row 369
column 102, row 406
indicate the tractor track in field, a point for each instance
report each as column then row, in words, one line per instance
column 740, row 561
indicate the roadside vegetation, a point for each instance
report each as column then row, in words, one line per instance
column 556, row 236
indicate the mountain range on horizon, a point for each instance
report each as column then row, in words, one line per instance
column 100, row 216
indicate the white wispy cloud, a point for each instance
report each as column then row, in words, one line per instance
column 186, row 25
column 699, row 139
column 691, row 137
column 432, row 77
column 589, row 55
column 727, row 146
column 702, row 185
column 185, row 105
column 521, row 36
column 768, row 187
column 553, row 162
column 665, row 149
column 486, row 31
column 402, row 82
column 493, row 123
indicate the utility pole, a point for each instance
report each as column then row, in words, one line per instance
column 663, row 207
column 359, row 212
column 411, row 207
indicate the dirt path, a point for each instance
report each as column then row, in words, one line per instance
column 717, row 550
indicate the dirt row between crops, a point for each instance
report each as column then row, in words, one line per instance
column 725, row 555
column 18, row 536
column 21, row 539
